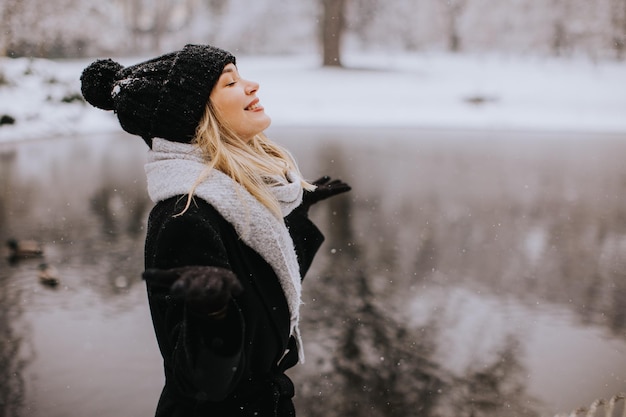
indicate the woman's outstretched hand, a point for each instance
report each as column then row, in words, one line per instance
column 205, row 289
column 326, row 188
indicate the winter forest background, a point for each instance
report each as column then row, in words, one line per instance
column 75, row 28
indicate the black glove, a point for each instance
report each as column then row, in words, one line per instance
column 325, row 189
column 205, row 289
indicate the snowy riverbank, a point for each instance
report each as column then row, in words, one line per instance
column 422, row 90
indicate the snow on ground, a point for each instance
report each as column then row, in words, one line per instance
column 421, row 90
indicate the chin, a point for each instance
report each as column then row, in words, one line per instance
column 265, row 124
column 256, row 128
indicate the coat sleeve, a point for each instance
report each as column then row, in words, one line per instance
column 202, row 357
column 306, row 237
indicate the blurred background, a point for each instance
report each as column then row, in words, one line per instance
column 76, row 28
column 477, row 268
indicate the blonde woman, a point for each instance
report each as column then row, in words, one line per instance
column 228, row 240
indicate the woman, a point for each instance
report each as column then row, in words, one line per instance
column 228, row 239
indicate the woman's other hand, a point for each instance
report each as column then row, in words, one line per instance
column 205, row 289
column 325, row 188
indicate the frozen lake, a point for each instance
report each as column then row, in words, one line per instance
column 467, row 273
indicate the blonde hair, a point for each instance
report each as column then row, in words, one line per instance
column 249, row 163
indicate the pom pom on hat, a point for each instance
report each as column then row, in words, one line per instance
column 163, row 97
column 97, row 82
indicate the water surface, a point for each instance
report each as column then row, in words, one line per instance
column 467, row 273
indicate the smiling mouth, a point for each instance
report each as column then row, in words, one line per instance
column 255, row 105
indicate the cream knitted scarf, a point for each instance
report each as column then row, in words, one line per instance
column 173, row 168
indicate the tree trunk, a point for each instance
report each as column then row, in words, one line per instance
column 158, row 25
column 132, row 10
column 9, row 10
column 560, row 43
column 332, row 29
column 454, row 10
column 559, row 38
column 618, row 18
column 454, row 40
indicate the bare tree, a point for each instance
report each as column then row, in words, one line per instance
column 30, row 27
column 8, row 10
column 618, row 23
column 453, row 11
column 217, row 6
column 154, row 19
column 560, row 41
column 333, row 25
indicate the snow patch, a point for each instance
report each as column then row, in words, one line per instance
column 418, row 90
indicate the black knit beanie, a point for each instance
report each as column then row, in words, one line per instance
column 164, row 97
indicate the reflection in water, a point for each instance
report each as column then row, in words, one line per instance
column 46, row 191
column 14, row 332
column 532, row 222
column 380, row 366
column 481, row 276
column 15, row 349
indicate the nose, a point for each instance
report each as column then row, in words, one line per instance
column 251, row 87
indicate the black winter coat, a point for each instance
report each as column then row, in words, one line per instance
column 235, row 366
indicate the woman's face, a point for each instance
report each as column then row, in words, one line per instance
column 237, row 105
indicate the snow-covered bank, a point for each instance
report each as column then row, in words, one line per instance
column 425, row 90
